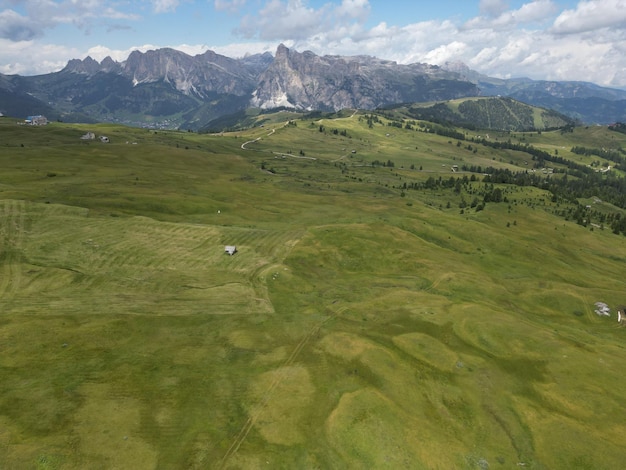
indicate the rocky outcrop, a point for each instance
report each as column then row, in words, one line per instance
column 289, row 78
column 307, row 81
column 202, row 75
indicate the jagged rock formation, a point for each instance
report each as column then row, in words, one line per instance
column 199, row 75
column 307, row 81
column 169, row 88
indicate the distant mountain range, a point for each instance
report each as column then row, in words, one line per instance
column 166, row 88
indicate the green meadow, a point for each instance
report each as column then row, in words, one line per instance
column 365, row 321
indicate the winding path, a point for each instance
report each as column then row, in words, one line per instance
column 243, row 146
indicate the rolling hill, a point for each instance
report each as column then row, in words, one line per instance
column 491, row 113
column 399, row 298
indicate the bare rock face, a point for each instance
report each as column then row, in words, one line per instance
column 88, row 66
column 307, row 81
column 198, row 75
column 109, row 65
column 289, row 79
column 201, row 75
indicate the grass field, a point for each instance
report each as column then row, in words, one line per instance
column 359, row 325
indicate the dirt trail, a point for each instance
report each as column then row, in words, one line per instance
column 439, row 280
column 243, row 146
column 239, row 439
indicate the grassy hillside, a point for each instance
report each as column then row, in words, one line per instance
column 494, row 113
column 372, row 317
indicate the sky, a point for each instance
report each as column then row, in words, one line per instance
column 540, row 39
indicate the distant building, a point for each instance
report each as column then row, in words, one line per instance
column 230, row 249
column 38, row 120
column 88, row 136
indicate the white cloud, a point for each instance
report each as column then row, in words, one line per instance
column 47, row 14
column 119, row 55
column 516, row 49
column 243, row 49
column 296, row 20
column 485, row 58
column 536, row 11
column 592, row 15
column 496, row 45
column 231, row 6
column 277, row 20
column 164, row 6
column 533, row 12
column 493, row 7
column 16, row 27
column 353, row 9
column 534, row 39
column 30, row 57
column 446, row 52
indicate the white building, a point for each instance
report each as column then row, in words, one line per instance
column 38, row 120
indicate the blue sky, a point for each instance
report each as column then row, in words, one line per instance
column 541, row 39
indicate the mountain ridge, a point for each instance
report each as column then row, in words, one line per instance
column 169, row 88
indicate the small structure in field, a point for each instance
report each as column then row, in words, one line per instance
column 230, row 249
column 104, row 139
column 602, row 309
column 88, row 136
column 37, row 120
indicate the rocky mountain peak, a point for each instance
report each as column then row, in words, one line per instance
column 109, row 65
column 462, row 70
column 308, row 81
column 198, row 75
column 282, row 52
column 87, row 66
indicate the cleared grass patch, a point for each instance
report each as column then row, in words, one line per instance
column 70, row 259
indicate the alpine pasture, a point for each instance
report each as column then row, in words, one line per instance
column 364, row 322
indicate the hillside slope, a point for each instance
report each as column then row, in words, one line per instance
column 391, row 303
column 495, row 113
